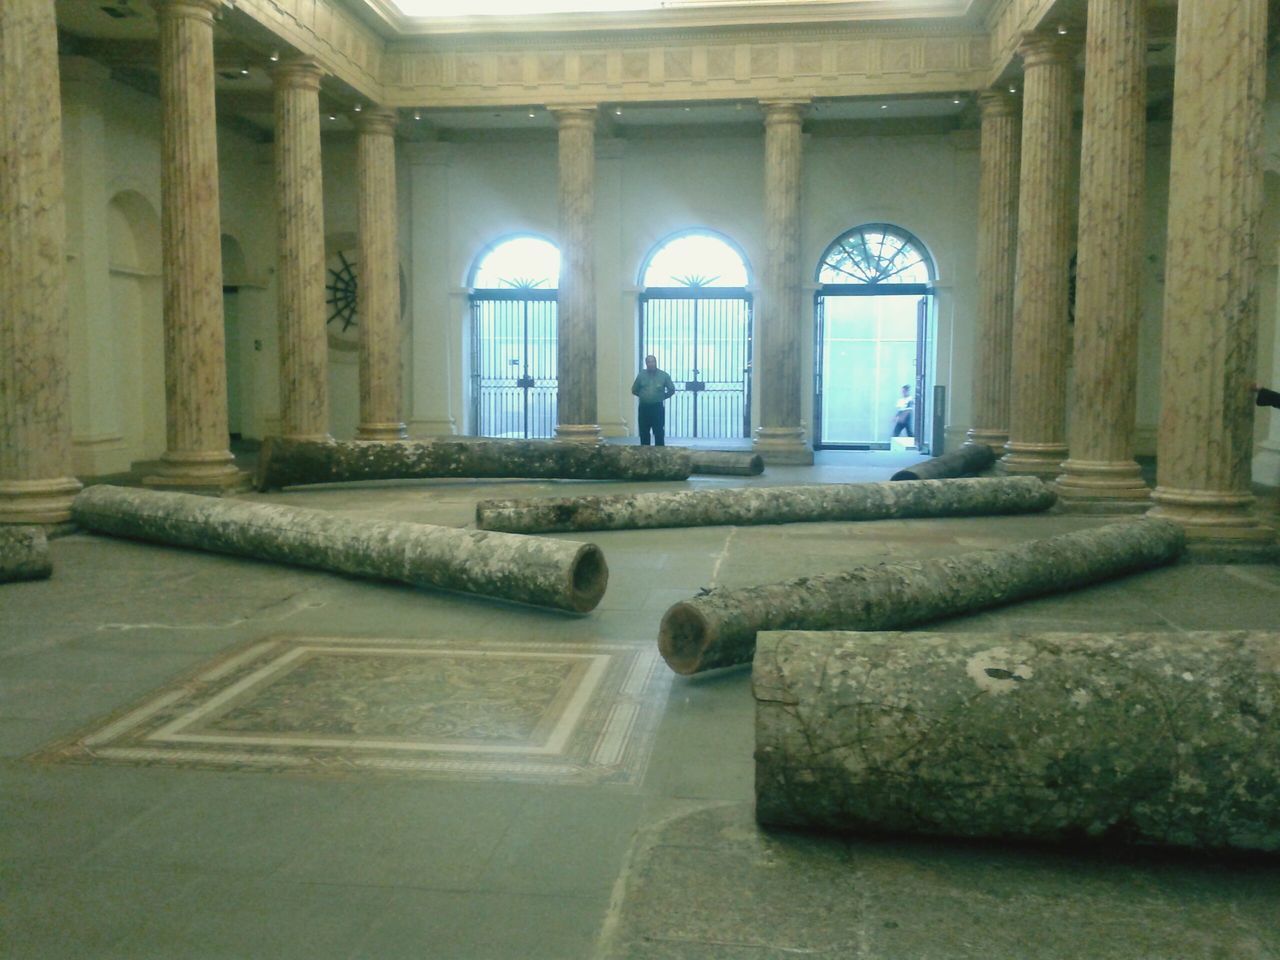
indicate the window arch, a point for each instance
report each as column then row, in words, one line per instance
column 514, row 335
column 524, row 262
column 695, row 317
column 876, row 253
column 696, row 258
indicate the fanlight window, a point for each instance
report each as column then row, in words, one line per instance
column 696, row 260
column 521, row 263
column 875, row 253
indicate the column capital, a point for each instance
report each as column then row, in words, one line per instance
column 570, row 115
column 997, row 103
column 299, row 74
column 376, row 121
column 1040, row 48
column 196, row 9
column 785, row 111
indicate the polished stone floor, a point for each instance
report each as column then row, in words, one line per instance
column 209, row 757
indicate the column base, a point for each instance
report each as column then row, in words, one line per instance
column 993, row 438
column 211, row 473
column 782, row 445
column 433, row 427
column 1097, row 486
column 1221, row 526
column 579, row 432
column 1043, row 460
column 42, row 502
column 384, row 432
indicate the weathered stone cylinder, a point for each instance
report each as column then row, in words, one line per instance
column 534, row 570
column 730, row 463
column 744, row 506
column 286, row 463
column 964, row 461
column 24, row 554
column 718, row 629
column 1161, row 738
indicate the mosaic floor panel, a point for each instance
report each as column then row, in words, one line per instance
column 532, row 711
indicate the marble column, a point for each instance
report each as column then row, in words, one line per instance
column 1038, row 380
column 196, row 458
column 779, row 318
column 378, row 293
column 997, row 247
column 304, row 342
column 1208, row 347
column 576, row 355
column 1101, row 474
column 36, row 485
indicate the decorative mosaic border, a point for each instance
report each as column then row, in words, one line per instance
column 590, row 720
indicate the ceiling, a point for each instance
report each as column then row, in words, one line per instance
column 122, row 34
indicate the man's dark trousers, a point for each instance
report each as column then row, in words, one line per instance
column 653, row 417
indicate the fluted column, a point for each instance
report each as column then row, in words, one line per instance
column 195, row 376
column 304, row 342
column 997, row 247
column 779, row 322
column 1211, row 291
column 36, row 485
column 576, row 354
column 1038, row 382
column 1101, row 474
column 378, row 294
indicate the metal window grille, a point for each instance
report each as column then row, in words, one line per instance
column 513, row 363
column 702, row 337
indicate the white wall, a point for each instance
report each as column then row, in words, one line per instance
column 465, row 195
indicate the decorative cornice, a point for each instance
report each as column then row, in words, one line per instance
column 818, row 66
column 1007, row 22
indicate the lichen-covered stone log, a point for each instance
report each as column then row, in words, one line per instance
column 743, row 506
column 284, row 463
column 534, row 570
column 24, row 554
column 728, row 463
column 1160, row 738
column 719, row 628
column 965, row 461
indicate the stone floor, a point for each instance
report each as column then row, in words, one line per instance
column 209, row 757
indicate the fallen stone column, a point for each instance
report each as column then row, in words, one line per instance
column 1159, row 738
column 24, row 554
column 534, row 570
column 285, row 463
column 965, row 461
column 719, row 628
column 743, row 506
column 727, row 463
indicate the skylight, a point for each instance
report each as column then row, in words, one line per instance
column 512, row 8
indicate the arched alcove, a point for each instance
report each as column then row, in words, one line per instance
column 874, row 320
column 695, row 318
column 137, row 312
column 514, row 337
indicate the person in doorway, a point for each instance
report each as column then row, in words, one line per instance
column 902, row 413
column 1265, row 397
column 652, row 387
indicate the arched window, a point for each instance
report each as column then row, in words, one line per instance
column 874, row 354
column 513, row 338
column 695, row 317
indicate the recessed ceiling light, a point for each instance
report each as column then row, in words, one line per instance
column 333, row 116
column 275, row 56
column 244, row 71
column 417, row 114
column 1062, row 29
column 532, row 114
column 1012, row 88
column 956, row 100
column 884, row 106
column 357, row 108
column 617, row 111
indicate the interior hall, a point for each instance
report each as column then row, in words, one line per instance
column 857, row 234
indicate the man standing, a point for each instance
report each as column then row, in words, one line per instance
column 652, row 386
